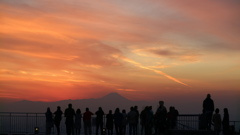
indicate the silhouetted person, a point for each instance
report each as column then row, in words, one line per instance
column 87, row 117
column 132, row 119
column 118, row 121
column 172, row 117
column 149, row 120
column 99, row 120
column 49, row 121
column 143, row 119
column 217, row 122
column 137, row 119
column 225, row 122
column 124, row 122
column 58, row 118
column 169, row 117
column 208, row 106
column 176, row 113
column 78, row 121
column 160, row 117
column 203, row 121
column 69, row 114
column 109, row 123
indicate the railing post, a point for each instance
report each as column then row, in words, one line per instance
column 36, row 125
column 26, row 122
column 36, row 120
column 10, row 126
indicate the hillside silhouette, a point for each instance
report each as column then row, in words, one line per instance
column 107, row 102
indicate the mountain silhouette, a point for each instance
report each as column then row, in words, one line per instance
column 114, row 97
column 107, row 102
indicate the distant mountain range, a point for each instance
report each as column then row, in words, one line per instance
column 107, row 102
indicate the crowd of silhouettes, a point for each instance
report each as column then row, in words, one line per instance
column 150, row 123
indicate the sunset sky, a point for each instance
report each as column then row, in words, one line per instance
column 142, row 49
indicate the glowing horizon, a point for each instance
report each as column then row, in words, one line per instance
column 69, row 49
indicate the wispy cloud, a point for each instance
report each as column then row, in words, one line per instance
column 128, row 90
column 151, row 69
column 170, row 52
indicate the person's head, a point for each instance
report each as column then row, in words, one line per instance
column 123, row 111
column 78, row 111
column 117, row 110
column 161, row 103
column 171, row 109
column 100, row 108
column 59, row 108
column 217, row 111
column 48, row 109
column 87, row 109
column 110, row 111
column 69, row 105
column 208, row 96
column 225, row 110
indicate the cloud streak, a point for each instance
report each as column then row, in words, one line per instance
column 151, row 69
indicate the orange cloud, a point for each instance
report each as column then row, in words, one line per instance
column 93, row 47
column 214, row 20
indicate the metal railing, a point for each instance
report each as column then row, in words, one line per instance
column 25, row 123
column 21, row 123
column 188, row 122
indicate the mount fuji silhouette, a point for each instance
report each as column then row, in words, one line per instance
column 114, row 97
column 107, row 102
